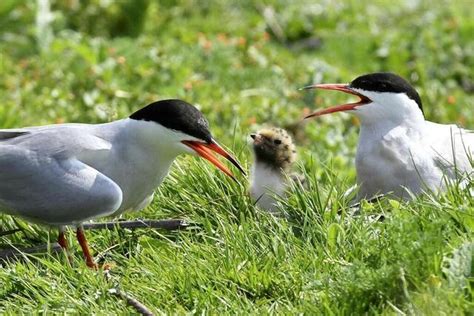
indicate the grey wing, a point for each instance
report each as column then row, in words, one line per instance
column 9, row 134
column 52, row 190
column 6, row 134
column 66, row 140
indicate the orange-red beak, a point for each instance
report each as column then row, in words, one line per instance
column 207, row 150
column 338, row 108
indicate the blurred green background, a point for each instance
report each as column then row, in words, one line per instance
column 241, row 63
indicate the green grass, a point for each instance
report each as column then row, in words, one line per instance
column 243, row 74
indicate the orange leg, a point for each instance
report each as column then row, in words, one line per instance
column 85, row 248
column 62, row 240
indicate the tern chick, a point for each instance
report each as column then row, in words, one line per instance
column 274, row 154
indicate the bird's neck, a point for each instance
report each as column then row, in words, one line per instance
column 262, row 164
column 397, row 110
column 265, row 175
column 152, row 137
column 373, row 130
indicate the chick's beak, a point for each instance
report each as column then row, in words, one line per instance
column 338, row 108
column 256, row 139
column 207, row 150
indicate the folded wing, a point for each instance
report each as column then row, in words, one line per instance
column 41, row 178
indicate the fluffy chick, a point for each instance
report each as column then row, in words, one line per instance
column 274, row 154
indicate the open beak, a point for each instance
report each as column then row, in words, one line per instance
column 207, row 150
column 338, row 108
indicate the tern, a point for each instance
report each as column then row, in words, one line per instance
column 66, row 174
column 399, row 152
column 274, row 154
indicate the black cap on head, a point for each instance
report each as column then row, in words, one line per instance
column 386, row 82
column 177, row 115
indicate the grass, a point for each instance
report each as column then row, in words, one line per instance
column 243, row 73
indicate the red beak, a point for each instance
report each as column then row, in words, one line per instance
column 207, row 150
column 338, row 108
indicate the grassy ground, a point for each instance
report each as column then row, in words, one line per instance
column 242, row 64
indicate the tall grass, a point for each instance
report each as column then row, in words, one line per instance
column 225, row 58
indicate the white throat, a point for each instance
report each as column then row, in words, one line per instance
column 389, row 109
column 155, row 138
column 267, row 184
column 391, row 120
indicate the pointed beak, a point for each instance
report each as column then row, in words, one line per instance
column 207, row 150
column 256, row 139
column 338, row 108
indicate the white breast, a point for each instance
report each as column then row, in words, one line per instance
column 266, row 185
column 405, row 159
column 136, row 164
column 138, row 176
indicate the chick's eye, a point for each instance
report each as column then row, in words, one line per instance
column 277, row 141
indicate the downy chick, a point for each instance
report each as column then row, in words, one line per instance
column 274, row 154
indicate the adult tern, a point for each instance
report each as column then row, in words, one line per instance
column 66, row 174
column 399, row 151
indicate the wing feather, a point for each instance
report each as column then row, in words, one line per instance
column 453, row 147
column 56, row 140
column 53, row 190
column 9, row 134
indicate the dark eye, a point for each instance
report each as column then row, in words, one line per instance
column 277, row 141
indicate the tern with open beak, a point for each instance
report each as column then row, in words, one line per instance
column 399, row 152
column 66, row 174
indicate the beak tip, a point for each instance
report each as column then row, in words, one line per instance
column 214, row 146
column 306, row 88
